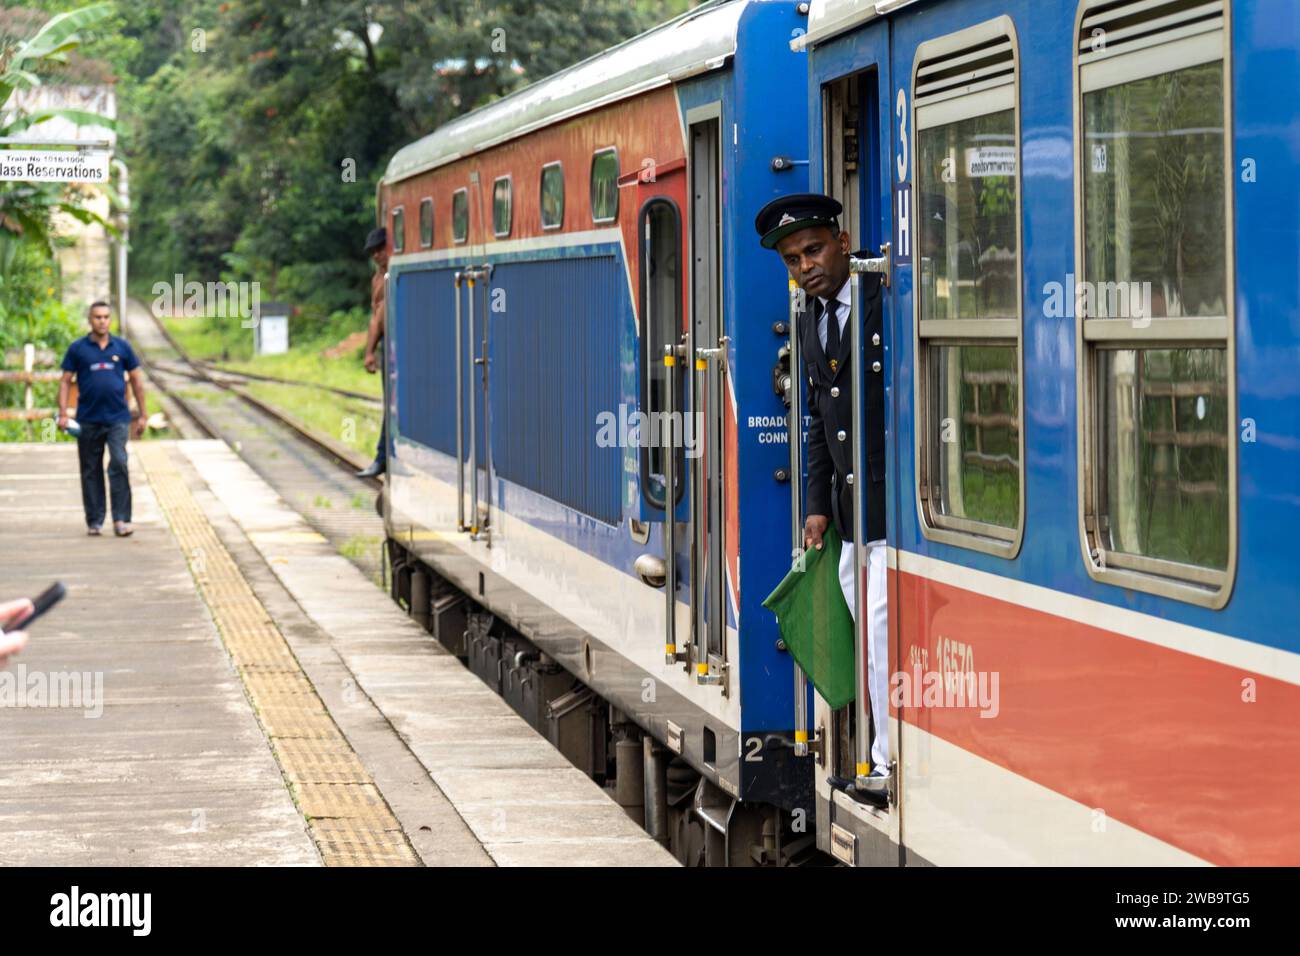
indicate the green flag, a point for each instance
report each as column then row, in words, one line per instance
column 815, row 621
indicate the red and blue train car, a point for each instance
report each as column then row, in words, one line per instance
column 1085, row 210
column 1093, row 455
column 575, row 230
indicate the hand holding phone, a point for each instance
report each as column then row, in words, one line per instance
column 17, row 614
column 20, row 613
column 44, row 601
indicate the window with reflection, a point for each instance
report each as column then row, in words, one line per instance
column 426, row 223
column 1153, row 192
column 399, row 229
column 501, row 207
column 552, row 193
column 974, row 412
column 661, row 309
column 604, row 185
column 1163, row 476
column 966, row 174
column 966, row 250
column 460, row 215
column 1154, row 308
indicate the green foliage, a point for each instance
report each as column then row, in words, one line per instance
column 30, row 306
column 27, row 209
column 239, row 118
column 50, row 44
column 42, row 320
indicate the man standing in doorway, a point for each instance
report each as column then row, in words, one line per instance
column 804, row 229
column 377, row 248
column 103, row 364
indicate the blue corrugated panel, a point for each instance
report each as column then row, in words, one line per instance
column 554, row 369
column 424, row 323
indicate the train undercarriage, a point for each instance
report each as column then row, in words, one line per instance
column 689, row 815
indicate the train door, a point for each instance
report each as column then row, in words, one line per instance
column 708, row 402
column 662, row 255
column 473, row 453
column 856, row 164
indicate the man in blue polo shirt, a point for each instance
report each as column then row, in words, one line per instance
column 103, row 364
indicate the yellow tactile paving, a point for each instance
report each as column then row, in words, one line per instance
column 347, row 816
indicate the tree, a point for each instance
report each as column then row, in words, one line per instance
column 239, row 115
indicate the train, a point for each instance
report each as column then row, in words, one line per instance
column 1089, row 247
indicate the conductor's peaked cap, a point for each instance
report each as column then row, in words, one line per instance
column 788, row 214
column 377, row 239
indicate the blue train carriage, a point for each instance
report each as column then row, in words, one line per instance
column 573, row 268
column 1091, row 344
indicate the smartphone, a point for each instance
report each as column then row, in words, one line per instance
column 44, row 601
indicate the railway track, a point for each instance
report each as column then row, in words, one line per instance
column 257, row 377
column 313, row 472
column 180, row 363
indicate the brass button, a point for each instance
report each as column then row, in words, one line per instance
column 848, row 479
column 875, row 366
column 875, row 338
column 835, row 391
column 841, row 434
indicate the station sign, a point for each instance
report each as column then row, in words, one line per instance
column 54, row 166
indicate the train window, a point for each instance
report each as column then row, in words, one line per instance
column 552, row 193
column 1153, row 311
column 604, row 185
column 426, row 223
column 968, row 301
column 501, row 207
column 460, row 215
column 399, row 229
column 660, row 228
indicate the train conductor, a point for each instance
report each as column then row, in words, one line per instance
column 804, row 229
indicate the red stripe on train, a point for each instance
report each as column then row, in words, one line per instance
column 1163, row 741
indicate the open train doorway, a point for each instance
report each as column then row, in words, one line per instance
column 857, row 740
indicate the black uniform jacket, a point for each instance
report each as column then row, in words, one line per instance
column 830, row 406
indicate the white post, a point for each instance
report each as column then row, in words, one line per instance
column 29, row 363
column 124, row 194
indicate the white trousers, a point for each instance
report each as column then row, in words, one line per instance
column 877, row 640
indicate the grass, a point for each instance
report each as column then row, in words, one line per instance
column 360, row 546
column 227, row 343
column 349, row 421
column 153, row 404
column 310, row 365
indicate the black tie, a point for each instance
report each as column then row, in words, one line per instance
column 833, row 329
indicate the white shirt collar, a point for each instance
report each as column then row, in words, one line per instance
column 845, row 295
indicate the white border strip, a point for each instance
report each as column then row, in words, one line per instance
column 528, row 244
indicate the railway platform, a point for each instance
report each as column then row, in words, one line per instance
column 225, row 688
